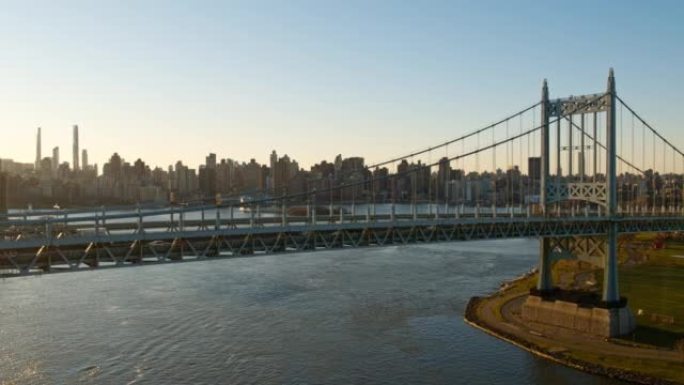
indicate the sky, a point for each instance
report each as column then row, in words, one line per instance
column 168, row 80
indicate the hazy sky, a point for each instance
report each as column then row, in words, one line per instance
column 167, row 80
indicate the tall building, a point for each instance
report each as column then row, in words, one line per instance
column 55, row 158
column 210, row 161
column 534, row 167
column 76, row 154
column 84, row 159
column 207, row 176
column 253, row 176
column 39, row 156
column 272, row 171
column 3, row 193
column 3, row 190
column 443, row 176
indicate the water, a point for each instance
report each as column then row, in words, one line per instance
column 367, row 316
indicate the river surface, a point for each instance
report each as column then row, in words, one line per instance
column 367, row 316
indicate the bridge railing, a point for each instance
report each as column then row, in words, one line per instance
column 180, row 219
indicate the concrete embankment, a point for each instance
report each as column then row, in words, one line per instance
column 472, row 317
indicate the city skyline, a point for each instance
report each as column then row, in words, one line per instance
column 382, row 191
column 242, row 84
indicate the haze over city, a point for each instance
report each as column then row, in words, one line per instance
column 166, row 80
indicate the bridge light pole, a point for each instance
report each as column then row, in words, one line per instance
column 611, row 293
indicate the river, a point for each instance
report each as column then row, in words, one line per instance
column 366, row 316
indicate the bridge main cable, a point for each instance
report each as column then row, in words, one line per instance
column 413, row 154
column 649, row 126
column 423, row 166
column 466, row 136
column 308, row 193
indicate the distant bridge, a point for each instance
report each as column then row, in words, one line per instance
column 578, row 214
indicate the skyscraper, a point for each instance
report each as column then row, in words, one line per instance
column 211, row 161
column 534, row 167
column 272, row 171
column 3, row 193
column 55, row 158
column 84, row 159
column 76, row 163
column 39, row 156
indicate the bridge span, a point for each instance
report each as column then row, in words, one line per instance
column 595, row 169
column 87, row 242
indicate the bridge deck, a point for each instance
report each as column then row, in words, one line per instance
column 88, row 243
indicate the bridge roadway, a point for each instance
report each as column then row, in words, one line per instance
column 56, row 244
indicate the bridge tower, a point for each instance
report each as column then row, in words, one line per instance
column 610, row 316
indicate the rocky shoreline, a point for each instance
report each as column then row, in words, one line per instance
column 471, row 317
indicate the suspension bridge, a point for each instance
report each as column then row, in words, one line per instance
column 595, row 169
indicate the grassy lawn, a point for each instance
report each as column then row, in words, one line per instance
column 663, row 369
column 656, row 289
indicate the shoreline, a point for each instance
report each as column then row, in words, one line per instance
column 473, row 319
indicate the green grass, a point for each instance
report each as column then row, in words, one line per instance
column 655, row 286
column 667, row 255
column 655, row 289
column 662, row 369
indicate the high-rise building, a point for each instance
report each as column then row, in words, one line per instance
column 253, row 176
column 39, row 156
column 210, row 161
column 76, row 154
column 55, row 158
column 84, row 159
column 272, row 171
column 534, row 167
column 3, row 191
column 443, row 176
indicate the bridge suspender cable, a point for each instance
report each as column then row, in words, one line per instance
column 492, row 146
column 474, row 152
column 466, row 136
column 604, row 147
column 520, row 165
column 420, row 152
column 648, row 125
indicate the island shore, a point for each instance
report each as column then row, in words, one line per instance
column 499, row 316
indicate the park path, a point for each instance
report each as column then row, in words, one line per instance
column 507, row 319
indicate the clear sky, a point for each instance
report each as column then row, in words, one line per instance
column 167, row 80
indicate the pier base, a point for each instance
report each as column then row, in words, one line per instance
column 580, row 312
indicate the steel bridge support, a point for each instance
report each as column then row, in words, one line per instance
column 606, row 196
column 611, row 293
column 609, row 316
column 545, row 283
